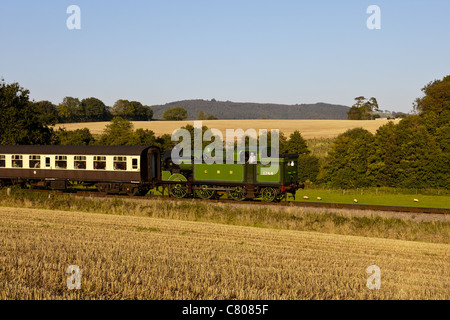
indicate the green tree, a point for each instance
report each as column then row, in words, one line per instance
column 165, row 142
column 47, row 110
column 434, row 106
column 132, row 110
column 420, row 158
column 348, row 161
column 190, row 128
column 141, row 112
column 372, row 107
column 443, row 140
column 76, row 137
column 308, row 167
column 363, row 109
column 354, row 113
column 121, row 132
column 69, row 110
column 20, row 121
column 93, row 109
column 387, row 155
column 297, row 144
column 433, row 111
column 176, row 113
column 202, row 115
column 118, row 132
column 357, row 110
column 145, row 137
column 436, row 98
column 408, row 155
column 122, row 108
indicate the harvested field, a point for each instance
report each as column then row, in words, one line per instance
column 309, row 129
column 410, row 227
column 132, row 257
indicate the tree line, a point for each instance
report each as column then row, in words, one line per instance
column 92, row 110
column 415, row 153
column 248, row 110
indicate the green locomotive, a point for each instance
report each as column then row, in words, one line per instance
column 269, row 182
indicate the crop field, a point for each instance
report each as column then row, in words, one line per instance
column 129, row 257
column 140, row 249
column 309, row 129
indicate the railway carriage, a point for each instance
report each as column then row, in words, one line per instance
column 113, row 169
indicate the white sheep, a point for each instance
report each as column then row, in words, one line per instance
column 305, row 197
column 416, row 200
column 319, row 198
column 355, row 200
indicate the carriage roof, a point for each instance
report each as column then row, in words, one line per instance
column 73, row 150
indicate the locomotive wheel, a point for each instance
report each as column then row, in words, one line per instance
column 237, row 193
column 204, row 193
column 269, row 194
column 178, row 190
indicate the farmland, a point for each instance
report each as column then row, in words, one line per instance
column 159, row 249
column 308, row 128
column 132, row 257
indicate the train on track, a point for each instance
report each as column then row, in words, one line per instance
column 135, row 170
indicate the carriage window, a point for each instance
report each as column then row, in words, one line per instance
column 99, row 163
column 120, row 163
column 17, row 161
column 135, row 163
column 2, row 161
column 61, row 162
column 35, row 161
column 47, row 162
column 79, row 162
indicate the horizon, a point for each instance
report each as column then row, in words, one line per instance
column 264, row 52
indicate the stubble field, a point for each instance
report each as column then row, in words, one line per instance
column 309, row 129
column 134, row 257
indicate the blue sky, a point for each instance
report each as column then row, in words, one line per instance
column 249, row 51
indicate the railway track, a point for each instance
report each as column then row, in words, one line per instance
column 257, row 202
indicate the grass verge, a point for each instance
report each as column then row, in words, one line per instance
column 438, row 198
column 290, row 218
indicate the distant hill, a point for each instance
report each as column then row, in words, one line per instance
column 247, row 110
